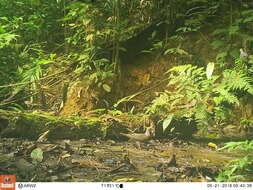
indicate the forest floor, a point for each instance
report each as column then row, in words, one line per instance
column 99, row 161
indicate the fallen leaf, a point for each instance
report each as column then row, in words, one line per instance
column 65, row 156
column 212, row 145
column 37, row 155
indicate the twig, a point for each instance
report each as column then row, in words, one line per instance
column 30, row 82
column 116, row 169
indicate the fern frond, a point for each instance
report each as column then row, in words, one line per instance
column 201, row 115
column 234, row 80
column 227, row 96
column 181, row 68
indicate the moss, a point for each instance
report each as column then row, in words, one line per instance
column 31, row 125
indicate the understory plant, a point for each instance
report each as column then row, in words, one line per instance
column 196, row 94
column 241, row 168
column 227, row 36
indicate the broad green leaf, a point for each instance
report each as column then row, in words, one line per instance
column 37, row 155
column 167, row 121
column 209, row 70
column 106, row 87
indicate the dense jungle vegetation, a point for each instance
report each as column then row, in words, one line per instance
column 182, row 67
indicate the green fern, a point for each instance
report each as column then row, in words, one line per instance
column 225, row 96
column 234, row 80
column 202, row 116
column 193, row 94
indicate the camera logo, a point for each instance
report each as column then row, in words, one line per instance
column 7, row 182
column 7, row 179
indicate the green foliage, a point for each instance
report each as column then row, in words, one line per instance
column 6, row 37
column 244, row 145
column 239, row 169
column 34, row 22
column 225, row 37
column 187, row 29
column 80, row 23
column 31, row 73
column 186, row 86
column 28, row 30
column 246, row 124
column 167, row 122
column 101, row 78
column 178, row 51
column 195, row 94
column 32, row 30
column 236, row 80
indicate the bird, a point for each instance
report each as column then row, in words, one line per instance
column 243, row 55
column 139, row 137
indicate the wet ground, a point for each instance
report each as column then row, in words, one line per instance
column 101, row 161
